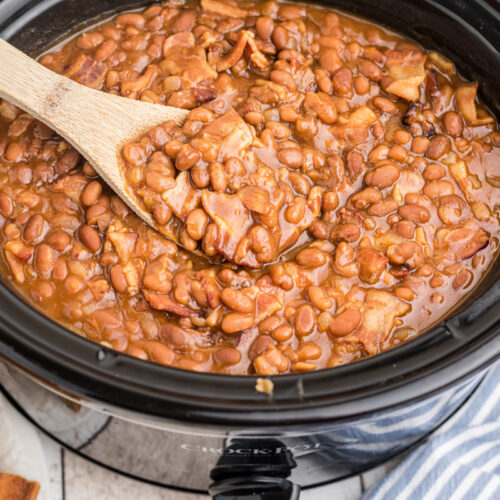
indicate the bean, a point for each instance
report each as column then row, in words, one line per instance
column 90, row 237
column 453, row 124
column 134, row 154
column 370, row 70
column 383, row 207
column 88, row 41
column 305, row 320
column 260, row 345
column 91, row 193
column 59, row 240
column 261, row 242
column 414, row 213
column 292, row 157
column 158, row 182
column 15, row 152
column 264, row 27
column 280, row 37
column 209, row 240
column 438, row 146
column 44, row 260
column 382, row 177
column 330, row 60
column 218, row 177
column 434, row 172
column 187, row 157
column 385, row 105
column 227, row 356
column 6, row 206
column 342, row 82
column 361, row 85
column 184, row 21
column 311, row 257
column 236, row 322
column 33, row 229
column 296, row 211
column 436, row 189
column 402, row 136
column 130, row 19
column 283, row 78
column 196, row 223
column 118, row 279
column 68, row 161
column 405, row 229
column 237, row 301
column 283, row 333
column 160, row 352
column 319, row 298
column 345, row 323
column 308, row 351
column 420, row 144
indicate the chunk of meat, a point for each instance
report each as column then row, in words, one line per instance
column 230, row 133
column 356, row 129
column 226, row 8
column 371, row 264
column 186, row 59
column 87, row 71
column 465, row 96
column 380, row 311
column 406, row 67
column 122, row 240
column 163, row 302
column 245, row 42
column 455, row 244
column 70, row 185
column 232, row 218
column 182, row 198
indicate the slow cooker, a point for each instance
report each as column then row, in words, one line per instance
column 206, row 432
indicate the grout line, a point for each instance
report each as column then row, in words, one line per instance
column 63, row 479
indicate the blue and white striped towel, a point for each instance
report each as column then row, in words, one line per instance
column 460, row 461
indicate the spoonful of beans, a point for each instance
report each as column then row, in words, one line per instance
column 96, row 123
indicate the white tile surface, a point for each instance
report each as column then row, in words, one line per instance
column 85, row 480
column 53, row 454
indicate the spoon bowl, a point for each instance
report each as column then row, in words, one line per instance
column 96, row 123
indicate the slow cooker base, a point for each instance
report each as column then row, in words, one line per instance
column 165, row 457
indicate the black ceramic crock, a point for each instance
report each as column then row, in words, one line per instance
column 433, row 367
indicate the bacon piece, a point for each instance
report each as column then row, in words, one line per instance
column 230, row 133
column 380, row 310
column 232, row 218
column 406, row 67
column 70, row 185
column 182, row 198
column 165, row 303
column 356, row 129
column 227, row 8
column 246, row 41
column 87, row 71
column 123, row 241
column 183, row 58
column 455, row 244
column 371, row 264
column 465, row 96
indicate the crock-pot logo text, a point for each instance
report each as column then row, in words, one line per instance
column 251, row 451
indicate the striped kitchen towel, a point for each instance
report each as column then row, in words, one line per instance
column 460, row 461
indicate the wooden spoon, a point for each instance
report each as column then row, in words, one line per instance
column 97, row 124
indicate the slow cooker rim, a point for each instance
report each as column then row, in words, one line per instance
column 288, row 387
